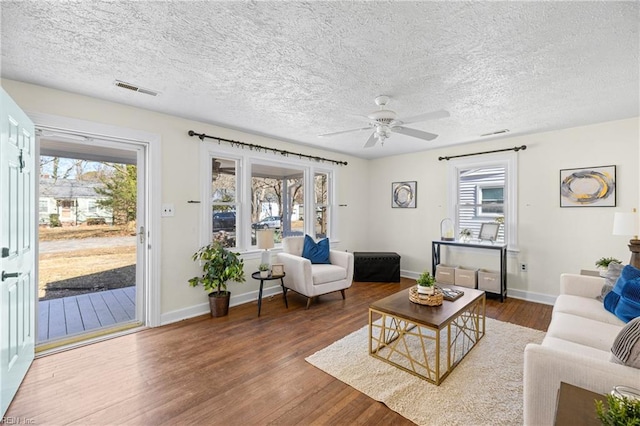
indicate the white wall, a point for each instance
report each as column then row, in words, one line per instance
column 552, row 240
column 181, row 182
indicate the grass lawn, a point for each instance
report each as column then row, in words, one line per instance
column 59, row 266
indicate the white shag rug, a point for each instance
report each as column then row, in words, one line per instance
column 484, row 389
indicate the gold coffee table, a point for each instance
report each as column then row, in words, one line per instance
column 418, row 338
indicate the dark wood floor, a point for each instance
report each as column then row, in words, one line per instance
column 236, row 370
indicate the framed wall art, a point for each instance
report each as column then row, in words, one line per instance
column 403, row 195
column 588, row 187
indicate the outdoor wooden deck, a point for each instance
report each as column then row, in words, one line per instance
column 58, row 318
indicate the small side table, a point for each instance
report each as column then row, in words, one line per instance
column 256, row 276
column 576, row 406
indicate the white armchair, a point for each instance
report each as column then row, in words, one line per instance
column 312, row 280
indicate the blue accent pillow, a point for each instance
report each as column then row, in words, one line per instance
column 316, row 252
column 624, row 300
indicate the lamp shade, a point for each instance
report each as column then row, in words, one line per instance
column 625, row 223
column 265, row 239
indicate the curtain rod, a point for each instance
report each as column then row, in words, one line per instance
column 515, row 148
column 252, row 147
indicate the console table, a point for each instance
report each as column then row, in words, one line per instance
column 501, row 248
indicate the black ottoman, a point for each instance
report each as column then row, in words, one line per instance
column 376, row 266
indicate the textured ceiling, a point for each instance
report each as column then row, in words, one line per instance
column 294, row 70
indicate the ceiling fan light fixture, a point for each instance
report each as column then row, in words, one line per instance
column 383, row 115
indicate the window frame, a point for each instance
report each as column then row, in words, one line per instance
column 509, row 162
column 245, row 159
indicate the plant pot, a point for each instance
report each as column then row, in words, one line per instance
column 219, row 303
column 425, row 290
column 264, row 274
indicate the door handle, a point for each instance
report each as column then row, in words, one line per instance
column 10, row 275
column 141, row 234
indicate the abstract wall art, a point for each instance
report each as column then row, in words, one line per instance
column 403, row 195
column 588, row 187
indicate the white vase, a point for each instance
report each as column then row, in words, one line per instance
column 264, row 274
column 425, row 290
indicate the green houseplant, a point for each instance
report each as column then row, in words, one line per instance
column 622, row 411
column 426, row 283
column 264, row 270
column 219, row 266
column 603, row 264
column 465, row 235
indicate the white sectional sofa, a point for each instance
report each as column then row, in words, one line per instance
column 575, row 350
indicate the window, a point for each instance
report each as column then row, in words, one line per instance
column 252, row 190
column 491, row 200
column 224, row 202
column 44, row 206
column 321, row 193
column 277, row 200
column 484, row 191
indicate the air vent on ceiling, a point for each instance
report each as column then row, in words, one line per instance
column 497, row 132
column 135, row 88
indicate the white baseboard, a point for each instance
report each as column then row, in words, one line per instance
column 529, row 296
column 203, row 308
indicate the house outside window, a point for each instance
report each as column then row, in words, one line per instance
column 483, row 191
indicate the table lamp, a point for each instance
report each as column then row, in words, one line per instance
column 627, row 224
column 265, row 242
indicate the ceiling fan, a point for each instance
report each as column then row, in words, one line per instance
column 385, row 121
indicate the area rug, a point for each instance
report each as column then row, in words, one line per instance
column 484, row 389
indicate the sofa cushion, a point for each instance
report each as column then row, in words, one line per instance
column 584, row 331
column 626, row 347
column 585, row 307
column 316, row 252
column 624, row 299
column 323, row 273
column 610, row 278
column 576, row 348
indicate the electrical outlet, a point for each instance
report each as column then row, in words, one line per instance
column 523, row 267
column 167, row 210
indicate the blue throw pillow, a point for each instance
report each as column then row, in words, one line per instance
column 316, row 252
column 624, row 300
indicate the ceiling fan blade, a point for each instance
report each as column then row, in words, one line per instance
column 434, row 115
column 343, row 131
column 415, row 133
column 371, row 141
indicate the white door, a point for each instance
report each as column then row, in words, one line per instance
column 17, row 222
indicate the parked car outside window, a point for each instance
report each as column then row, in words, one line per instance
column 224, row 221
column 267, row 222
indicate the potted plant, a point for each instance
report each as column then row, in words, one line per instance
column 465, row 235
column 621, row 410
column 264, row 270
column 603, row 264
column 219, row 266
column 426, row 283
